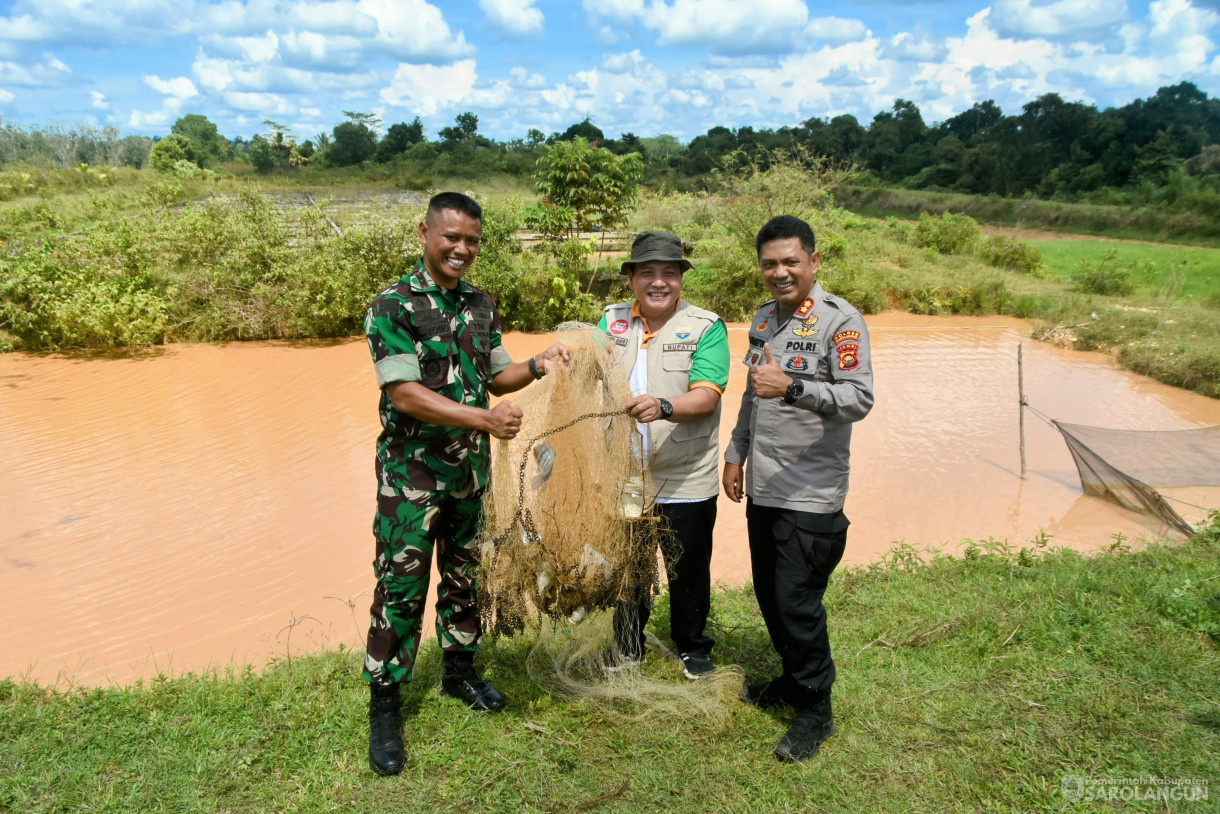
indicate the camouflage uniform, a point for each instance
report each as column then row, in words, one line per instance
column 430, row 477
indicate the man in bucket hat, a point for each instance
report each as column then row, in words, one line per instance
column 677, row 357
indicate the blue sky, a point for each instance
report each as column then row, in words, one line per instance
column 642, row 66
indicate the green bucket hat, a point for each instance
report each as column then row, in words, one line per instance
column 655, row 246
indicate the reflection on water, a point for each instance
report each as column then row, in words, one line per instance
column 179, row 510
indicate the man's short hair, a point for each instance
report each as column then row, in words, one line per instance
column 456, row 201
column 782, row 228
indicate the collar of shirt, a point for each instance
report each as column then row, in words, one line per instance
column 649, row 334
column 422, row 283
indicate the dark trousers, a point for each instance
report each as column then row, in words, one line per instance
column 686, row 548
column 792, row 555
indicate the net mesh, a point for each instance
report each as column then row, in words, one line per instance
column 568, row 537
column 1126, row 465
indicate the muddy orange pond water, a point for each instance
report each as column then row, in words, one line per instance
column 179, row 510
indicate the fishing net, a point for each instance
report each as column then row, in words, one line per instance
column 1125, row 465
column 568, row 536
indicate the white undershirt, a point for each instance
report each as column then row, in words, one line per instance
column 638, row 381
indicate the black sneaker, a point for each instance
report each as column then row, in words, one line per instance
column 386, row 755
column 768, row 695
column 460, row 680
column 814, row 723
column 697, row 665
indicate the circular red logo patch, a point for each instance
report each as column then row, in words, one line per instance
column 619, row 326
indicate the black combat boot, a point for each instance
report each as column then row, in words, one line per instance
column 814, row 723
column 386, row 754
column 461, row 680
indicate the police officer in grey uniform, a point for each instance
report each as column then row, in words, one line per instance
column 810, row 379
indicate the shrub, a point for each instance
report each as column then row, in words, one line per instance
column 948, row 234
column 1108, row 277
column 1004, row 253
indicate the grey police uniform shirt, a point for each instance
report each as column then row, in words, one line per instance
column 797, row 456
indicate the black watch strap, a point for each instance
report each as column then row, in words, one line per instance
column 795, row 391
column 667, row 409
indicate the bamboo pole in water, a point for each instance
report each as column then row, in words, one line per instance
column 1021, row 402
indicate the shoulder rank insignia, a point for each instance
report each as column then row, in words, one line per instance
column 805, row 307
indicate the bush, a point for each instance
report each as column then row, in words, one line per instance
column 1004, row 253
column 948, row 234
column 1108, row 277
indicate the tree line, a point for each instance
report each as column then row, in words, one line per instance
column 1052, row 148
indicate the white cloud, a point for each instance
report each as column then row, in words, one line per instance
column 264, row 104
column 428, row 88
column 622, row 10
column 518, row 18
column 1059, row 18
column 179, row 87
column 725, row 26
column 621, row 63
column 606, row 36
column 258, row 49
column 99, row 100
column 836, row 29
column 907, row 47
column 524, row 79
column 51, row 72
column 6, row 96
column 217, row 75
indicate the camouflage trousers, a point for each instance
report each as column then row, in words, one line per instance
column 407, row 528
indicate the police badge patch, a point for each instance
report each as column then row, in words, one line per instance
column 797, row 363
column 849, row 355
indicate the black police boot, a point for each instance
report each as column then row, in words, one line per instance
column 769, row 695
column 386, row 754
column 461, row 680
column 815, row 722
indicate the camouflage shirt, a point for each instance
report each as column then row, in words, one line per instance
column 448, row 341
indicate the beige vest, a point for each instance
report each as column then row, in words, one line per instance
column 685, row 457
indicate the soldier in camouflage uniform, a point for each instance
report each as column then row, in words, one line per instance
column 437, row 349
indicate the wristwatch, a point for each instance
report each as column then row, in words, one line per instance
column 667, row 409
column 795, row 391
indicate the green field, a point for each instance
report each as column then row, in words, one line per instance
column 1156, row 270
column 969, row 683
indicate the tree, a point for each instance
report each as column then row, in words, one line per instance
column 352, row 144
column 262, row 155
column 585, row 129
column 398, row 139
column 598, row 186
column 465, row 129
column 169, row 151
column 206, row 141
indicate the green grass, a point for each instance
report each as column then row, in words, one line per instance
column 1156, row 270
column 965, row 684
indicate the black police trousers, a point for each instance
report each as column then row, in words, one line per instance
column 792, row 555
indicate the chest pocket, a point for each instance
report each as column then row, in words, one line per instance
column 676, row 361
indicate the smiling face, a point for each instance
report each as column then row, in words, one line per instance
column 657, row 286
column 451, row 243
column 788, row 271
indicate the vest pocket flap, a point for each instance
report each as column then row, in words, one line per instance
column 676, row 360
